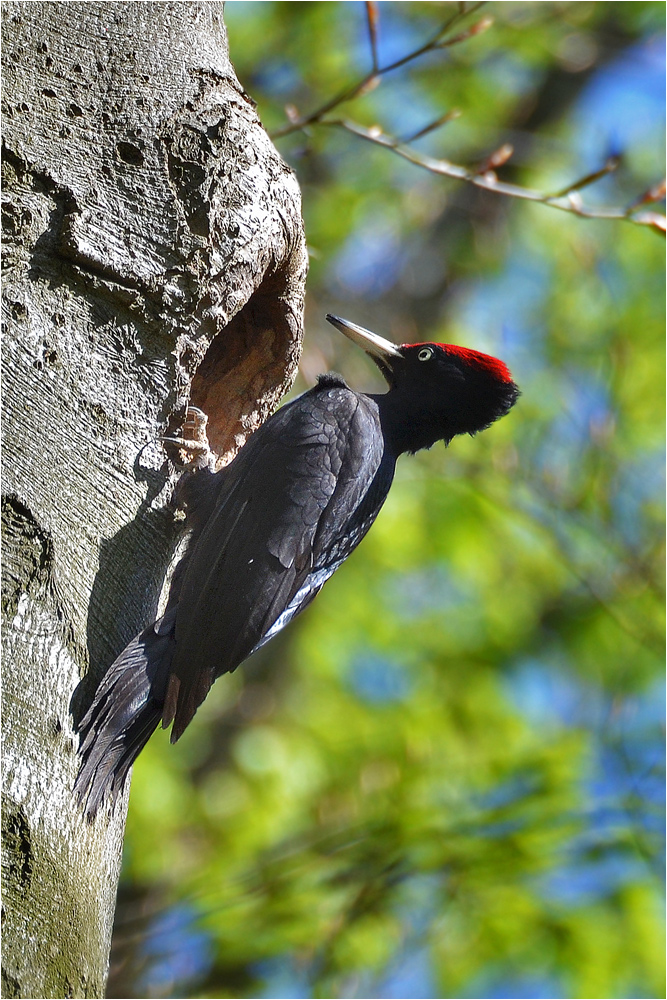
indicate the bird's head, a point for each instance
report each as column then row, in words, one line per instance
column 436, row 390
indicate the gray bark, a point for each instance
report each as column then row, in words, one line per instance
column 154, row 253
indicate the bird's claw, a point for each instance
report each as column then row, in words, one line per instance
column 194, row 451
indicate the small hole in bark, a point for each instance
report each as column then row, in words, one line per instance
column 19, row 310
column 17, row 842
column 130, row 153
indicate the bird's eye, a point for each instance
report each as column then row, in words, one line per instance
column 425, row 354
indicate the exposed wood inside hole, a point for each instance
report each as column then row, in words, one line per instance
column 248, row 367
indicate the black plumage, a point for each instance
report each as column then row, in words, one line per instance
column 269, row 530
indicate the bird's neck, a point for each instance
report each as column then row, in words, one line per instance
column 407, row 424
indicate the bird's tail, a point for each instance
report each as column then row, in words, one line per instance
column 125, row 711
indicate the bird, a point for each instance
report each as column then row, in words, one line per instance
column 269, row 529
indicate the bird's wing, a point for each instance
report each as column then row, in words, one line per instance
column 293, row 504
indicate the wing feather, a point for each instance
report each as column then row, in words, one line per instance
column 279, row 529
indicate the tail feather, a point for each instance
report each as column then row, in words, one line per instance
column 125, row 711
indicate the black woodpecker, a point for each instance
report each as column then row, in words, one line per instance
column 269, row 529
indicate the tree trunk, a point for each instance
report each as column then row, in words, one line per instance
column 154, row 253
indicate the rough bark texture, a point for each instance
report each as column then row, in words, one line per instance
column 154, row 252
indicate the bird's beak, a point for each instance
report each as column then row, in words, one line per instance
column 382, row 351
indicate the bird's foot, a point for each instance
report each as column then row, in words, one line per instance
column 192, row 447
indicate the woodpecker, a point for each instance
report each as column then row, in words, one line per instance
column 269, row 529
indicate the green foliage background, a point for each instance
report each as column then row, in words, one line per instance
column 444, row 779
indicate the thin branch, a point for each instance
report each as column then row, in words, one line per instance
column 609, row 167
column 372, row 19
column 483, row 176
column 370, row 80
column 438, row 123
column 655, row 193
column 567, row 200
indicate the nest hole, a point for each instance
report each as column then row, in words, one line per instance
column 248, row 367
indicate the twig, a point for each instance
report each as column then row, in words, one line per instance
column 608, row 168
column 655, row 193
column 567, row 200
column 442, row 120
column 371, row 79
column 483, row 176
column 372, row 18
